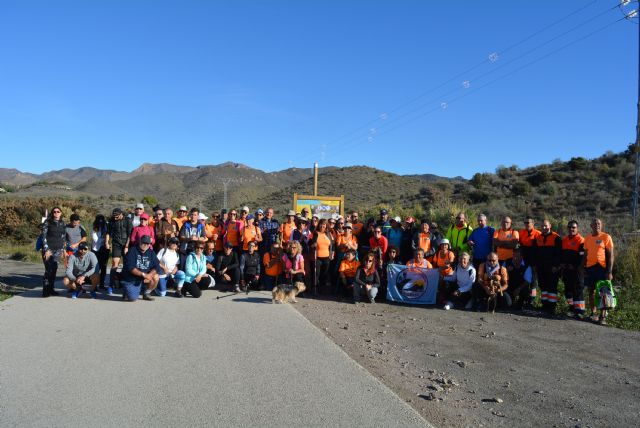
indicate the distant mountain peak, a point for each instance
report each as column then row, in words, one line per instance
column 233, row 165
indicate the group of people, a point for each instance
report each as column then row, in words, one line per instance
column 236, row 249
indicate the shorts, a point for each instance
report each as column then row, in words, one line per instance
column 593, row 274
column 117, row 250
column 131, row 290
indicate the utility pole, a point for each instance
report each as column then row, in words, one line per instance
column 315, row 179
column 630, row 10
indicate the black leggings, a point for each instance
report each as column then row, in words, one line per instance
column 195, row 288
column 50, row 271
column 234, row 274
column 103, row 256
column 322, row 272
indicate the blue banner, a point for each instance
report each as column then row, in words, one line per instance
column 417, row 286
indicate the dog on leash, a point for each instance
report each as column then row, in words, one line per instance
column 284, row 293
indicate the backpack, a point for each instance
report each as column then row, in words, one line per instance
column 39, row 243
column 605, row 295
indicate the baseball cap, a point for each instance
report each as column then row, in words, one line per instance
column 141, row 206
column 291, row 212
column 223, row 211
column 384, row 211
column 443, row 241
column 397, row 218
column 201, row 216
column 144, row 216
column 348, row 226
column 250, row 217
column 83, row 246
column 146, row 239
column 174, row 240
column 182, row 208
column 116, row 211
column 245, row 208
column 260, row 211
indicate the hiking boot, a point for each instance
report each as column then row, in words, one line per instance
column 147, row 297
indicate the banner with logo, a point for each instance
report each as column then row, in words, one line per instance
column 417, row 286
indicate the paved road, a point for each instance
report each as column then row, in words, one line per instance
column 237, row 361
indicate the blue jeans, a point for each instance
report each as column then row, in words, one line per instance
column 175, row 278
column 131, row 290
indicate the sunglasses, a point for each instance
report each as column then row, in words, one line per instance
column 369, row 260
column 199, row 248
column 56, row 211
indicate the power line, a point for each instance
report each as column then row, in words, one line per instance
column 358, row 139
column 488, row 60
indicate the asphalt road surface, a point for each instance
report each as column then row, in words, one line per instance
column 236, row 361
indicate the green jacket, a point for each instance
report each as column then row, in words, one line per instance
column 458, row 238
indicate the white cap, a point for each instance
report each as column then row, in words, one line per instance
column 245, row 208
column 398, row 219
column 291, row 212
column 201, row 216
column 182, row 208
column 141, row 206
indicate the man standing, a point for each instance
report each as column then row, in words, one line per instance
column 548, row 247
column 481, row 241
column 527, row 239
column 505, row 240
column 181, row 216
column 81, row 272
column 572, row 264
column 270, row 228
column 75, row 234
column 458, row 235
column 599, row 260
column 356, row 224
column 135, row 216
column 383, row 223
column 141, row 269
column 117, row 240
column 191, row 232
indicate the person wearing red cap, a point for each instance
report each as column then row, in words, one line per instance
column 142, row 230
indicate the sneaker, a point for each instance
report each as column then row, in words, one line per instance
column 603, row 321
column 372, row 300
column 94, row 295
column 75, row 294
column 447, row 307
column 236, row 289
column 147, row 297
column 109, row 290
column 570, row 314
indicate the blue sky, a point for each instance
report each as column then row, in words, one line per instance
column 113, row 84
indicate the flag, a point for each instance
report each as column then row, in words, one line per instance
column 417, row 286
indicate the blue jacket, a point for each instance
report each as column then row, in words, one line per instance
column 194, row 267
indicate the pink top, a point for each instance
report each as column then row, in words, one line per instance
column 139, row 231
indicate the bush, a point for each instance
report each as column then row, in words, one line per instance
column 149, row 200
column 541, row 176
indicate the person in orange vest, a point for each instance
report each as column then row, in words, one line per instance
column 181, row 216
column 599, row 259
column 572, row 265
column 423, row 239
column 356, row 224
column 287, row 228
column 444, row 260
column 418, row 260
column 548, row 247
column 250, row 233
column 505, row 240
column 347, row 271
column 233, row 231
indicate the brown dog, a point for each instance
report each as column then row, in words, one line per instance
column 284, row 293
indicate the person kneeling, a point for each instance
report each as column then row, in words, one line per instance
column 347, row 271
column 195, row 273
column 140, row 271
column 459, row 292
column 81, row 274
column 228, row 269
column 367, row 280
column 493, row 281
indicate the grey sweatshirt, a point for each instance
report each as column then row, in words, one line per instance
column 85, row 266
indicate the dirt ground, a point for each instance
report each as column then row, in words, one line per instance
column 469, row 369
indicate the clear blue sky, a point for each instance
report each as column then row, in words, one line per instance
column 113, row 84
